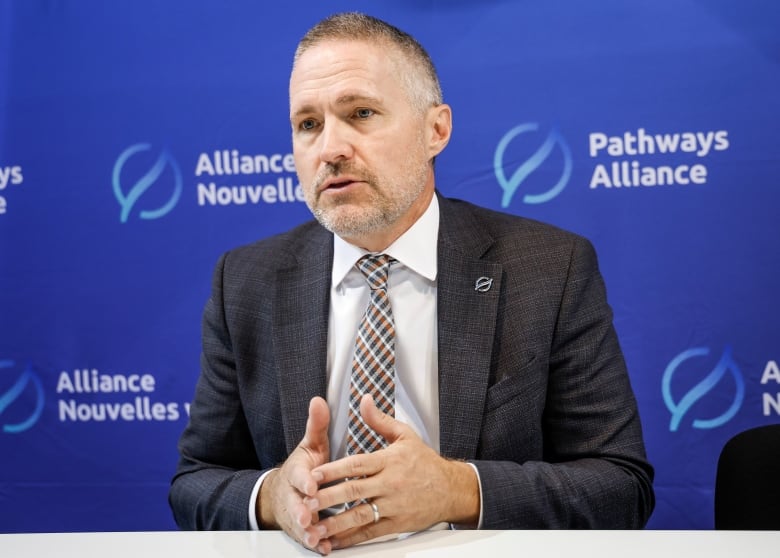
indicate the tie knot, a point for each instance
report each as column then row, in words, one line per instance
column 375, row 268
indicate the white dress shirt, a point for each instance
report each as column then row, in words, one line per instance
column 411, row 289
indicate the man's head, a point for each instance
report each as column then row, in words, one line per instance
column 367, row 119
column 415, row 67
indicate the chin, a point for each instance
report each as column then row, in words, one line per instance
column 349, row 221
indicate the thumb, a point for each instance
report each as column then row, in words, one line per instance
column 313, row 450
column 384, row 425
column 316, row 436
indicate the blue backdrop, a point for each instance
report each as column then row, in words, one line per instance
column 141, row 139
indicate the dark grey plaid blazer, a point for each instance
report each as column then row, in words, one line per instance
column 532, row 384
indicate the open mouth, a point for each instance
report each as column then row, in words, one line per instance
column 340, row 184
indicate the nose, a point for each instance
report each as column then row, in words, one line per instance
column 335, row 143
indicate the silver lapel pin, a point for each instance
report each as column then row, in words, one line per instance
column 483, row 284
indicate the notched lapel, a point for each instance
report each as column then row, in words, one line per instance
column 301, row 335
column 467, row 313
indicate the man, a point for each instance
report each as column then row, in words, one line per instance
column 510, row 405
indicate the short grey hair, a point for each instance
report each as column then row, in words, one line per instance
column 418, row 75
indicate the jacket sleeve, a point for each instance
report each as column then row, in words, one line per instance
column 218, row 466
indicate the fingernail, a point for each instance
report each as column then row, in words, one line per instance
column 321, row 530
column 317, row 475
column 312, row 503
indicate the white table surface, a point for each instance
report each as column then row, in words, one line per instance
column 433, row 544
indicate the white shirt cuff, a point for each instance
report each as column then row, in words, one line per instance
column 253, row 525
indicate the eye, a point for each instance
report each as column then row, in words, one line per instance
column 364, row 113
column 308, row 124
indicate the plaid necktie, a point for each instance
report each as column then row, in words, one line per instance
column 373, row 368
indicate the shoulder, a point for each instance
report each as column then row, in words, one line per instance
column 506, row 234
column 308, row 241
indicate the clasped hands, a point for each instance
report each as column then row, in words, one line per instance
column 410, row 486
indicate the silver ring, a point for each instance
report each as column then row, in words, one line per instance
column 376, row 511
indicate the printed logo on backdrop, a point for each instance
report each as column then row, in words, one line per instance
column 82, row 395
column 724, row 382
column 641, row 158
column 551, row 157
column 10, row 175
column 88, row 395
column 632, row 159
column 228, row 177
column 22, row 403
column 150, row 186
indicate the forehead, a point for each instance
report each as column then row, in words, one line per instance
column 332, row 67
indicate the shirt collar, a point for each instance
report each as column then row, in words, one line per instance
column 416, row 248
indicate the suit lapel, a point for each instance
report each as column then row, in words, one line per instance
column 300, row 330
column 466, row 328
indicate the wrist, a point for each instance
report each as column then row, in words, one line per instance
column 264, row 505
column 464, row 494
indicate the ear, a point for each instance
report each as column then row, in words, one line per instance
column 439, row 128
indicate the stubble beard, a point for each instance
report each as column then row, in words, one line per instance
column 379, row 206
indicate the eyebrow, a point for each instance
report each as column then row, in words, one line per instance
column 352, row 98
column 348, row 99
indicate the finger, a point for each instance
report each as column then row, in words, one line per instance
column 305, row 527
column 313, row 535
column 324, row 547
column 301, row 478
column 315, row 447
column 361, row 534
column 316, row 435
column 342, row 524
column 353, row 466
column 301, row 514
column 289, row 507
column 351, row 490
column 385, row 425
